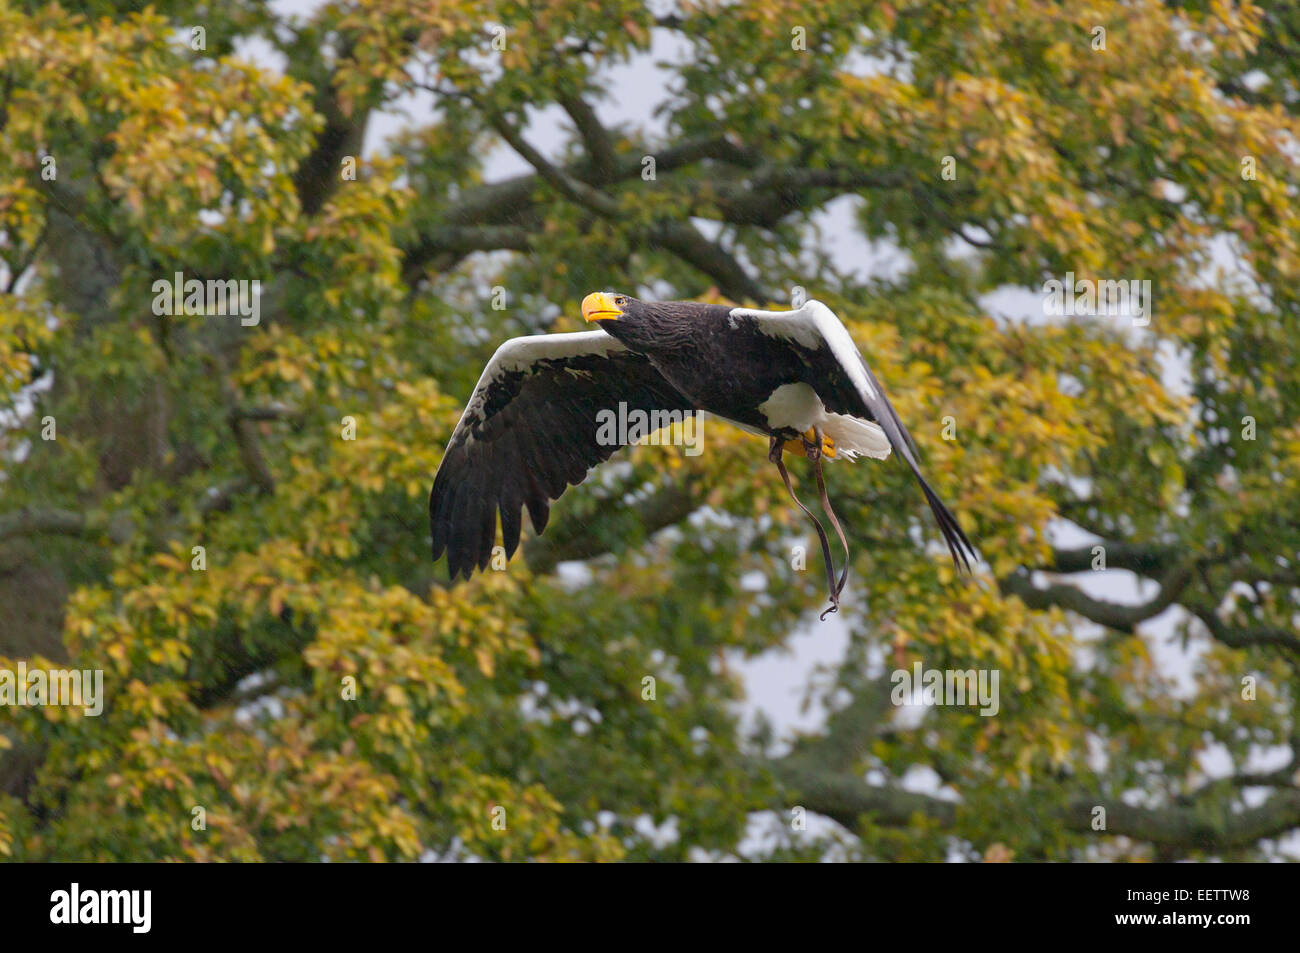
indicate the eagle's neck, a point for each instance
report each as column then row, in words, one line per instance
column 667, row 327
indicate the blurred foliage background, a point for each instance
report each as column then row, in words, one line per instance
column 225, row 154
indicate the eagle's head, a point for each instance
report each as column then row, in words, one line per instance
column 606, row 307
column 633, row 322
column 644, row 325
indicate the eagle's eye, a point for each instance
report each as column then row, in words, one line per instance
column 620, row 301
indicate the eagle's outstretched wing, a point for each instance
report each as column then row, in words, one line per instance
column 846, row 385
column 528, row 432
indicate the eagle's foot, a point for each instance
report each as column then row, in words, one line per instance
column 836, row 586
column 812, row 445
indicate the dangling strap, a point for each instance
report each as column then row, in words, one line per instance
column 821, row 535
column 830, row 514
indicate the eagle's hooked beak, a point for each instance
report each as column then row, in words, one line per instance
column 599, row 306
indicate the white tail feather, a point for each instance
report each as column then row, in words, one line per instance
column 854, row 437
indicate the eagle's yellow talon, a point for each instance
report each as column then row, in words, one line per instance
column 798, row 447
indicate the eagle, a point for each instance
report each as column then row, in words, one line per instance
column 530, row 429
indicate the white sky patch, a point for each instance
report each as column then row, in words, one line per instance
column 836, row 235
column 777, row 682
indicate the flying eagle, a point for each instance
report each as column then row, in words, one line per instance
column 530, row 429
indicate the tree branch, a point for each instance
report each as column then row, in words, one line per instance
column 270, row 412
column 506, row 200
column 319, row 175
column 820, row 773
column 570, row 187
column 1142, row 558
column 845, row 798
column 777, row 192
column 247, row 441
column 595, row 137
column 686, row 242
column 1113, row 615
column 32, row 521
column 1240, row 637
column 1205, row 825
column 496, row 216
column 680, row 238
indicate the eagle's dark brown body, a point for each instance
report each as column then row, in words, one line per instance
column 721, row 366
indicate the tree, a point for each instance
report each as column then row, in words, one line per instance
column 223, row 509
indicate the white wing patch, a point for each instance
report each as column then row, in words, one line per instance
column 518, row 354
column 814, row 326
column 521, row 353
column 796, row 406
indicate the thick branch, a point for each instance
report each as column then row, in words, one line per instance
column 320, row 173
column 495, row 216
column 688, row 243
column 32, row 521
column 595, row 137
column 776, row 193
column 680, row 238
column 570, row 187
column 250, row 452
column 499, row 201
column 269, row 412
column 244, row 428
column 463, row 240
column 1241, row 637
column 1114, row 615
column 823, row 775
column 1143, row 558
column 846, row 797
column 1209, row 825
column 820, row 773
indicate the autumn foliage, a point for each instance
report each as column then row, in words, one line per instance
column 318, row 690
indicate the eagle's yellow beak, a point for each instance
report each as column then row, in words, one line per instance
column 599, row 306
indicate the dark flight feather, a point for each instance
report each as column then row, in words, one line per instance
column 528, row 434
